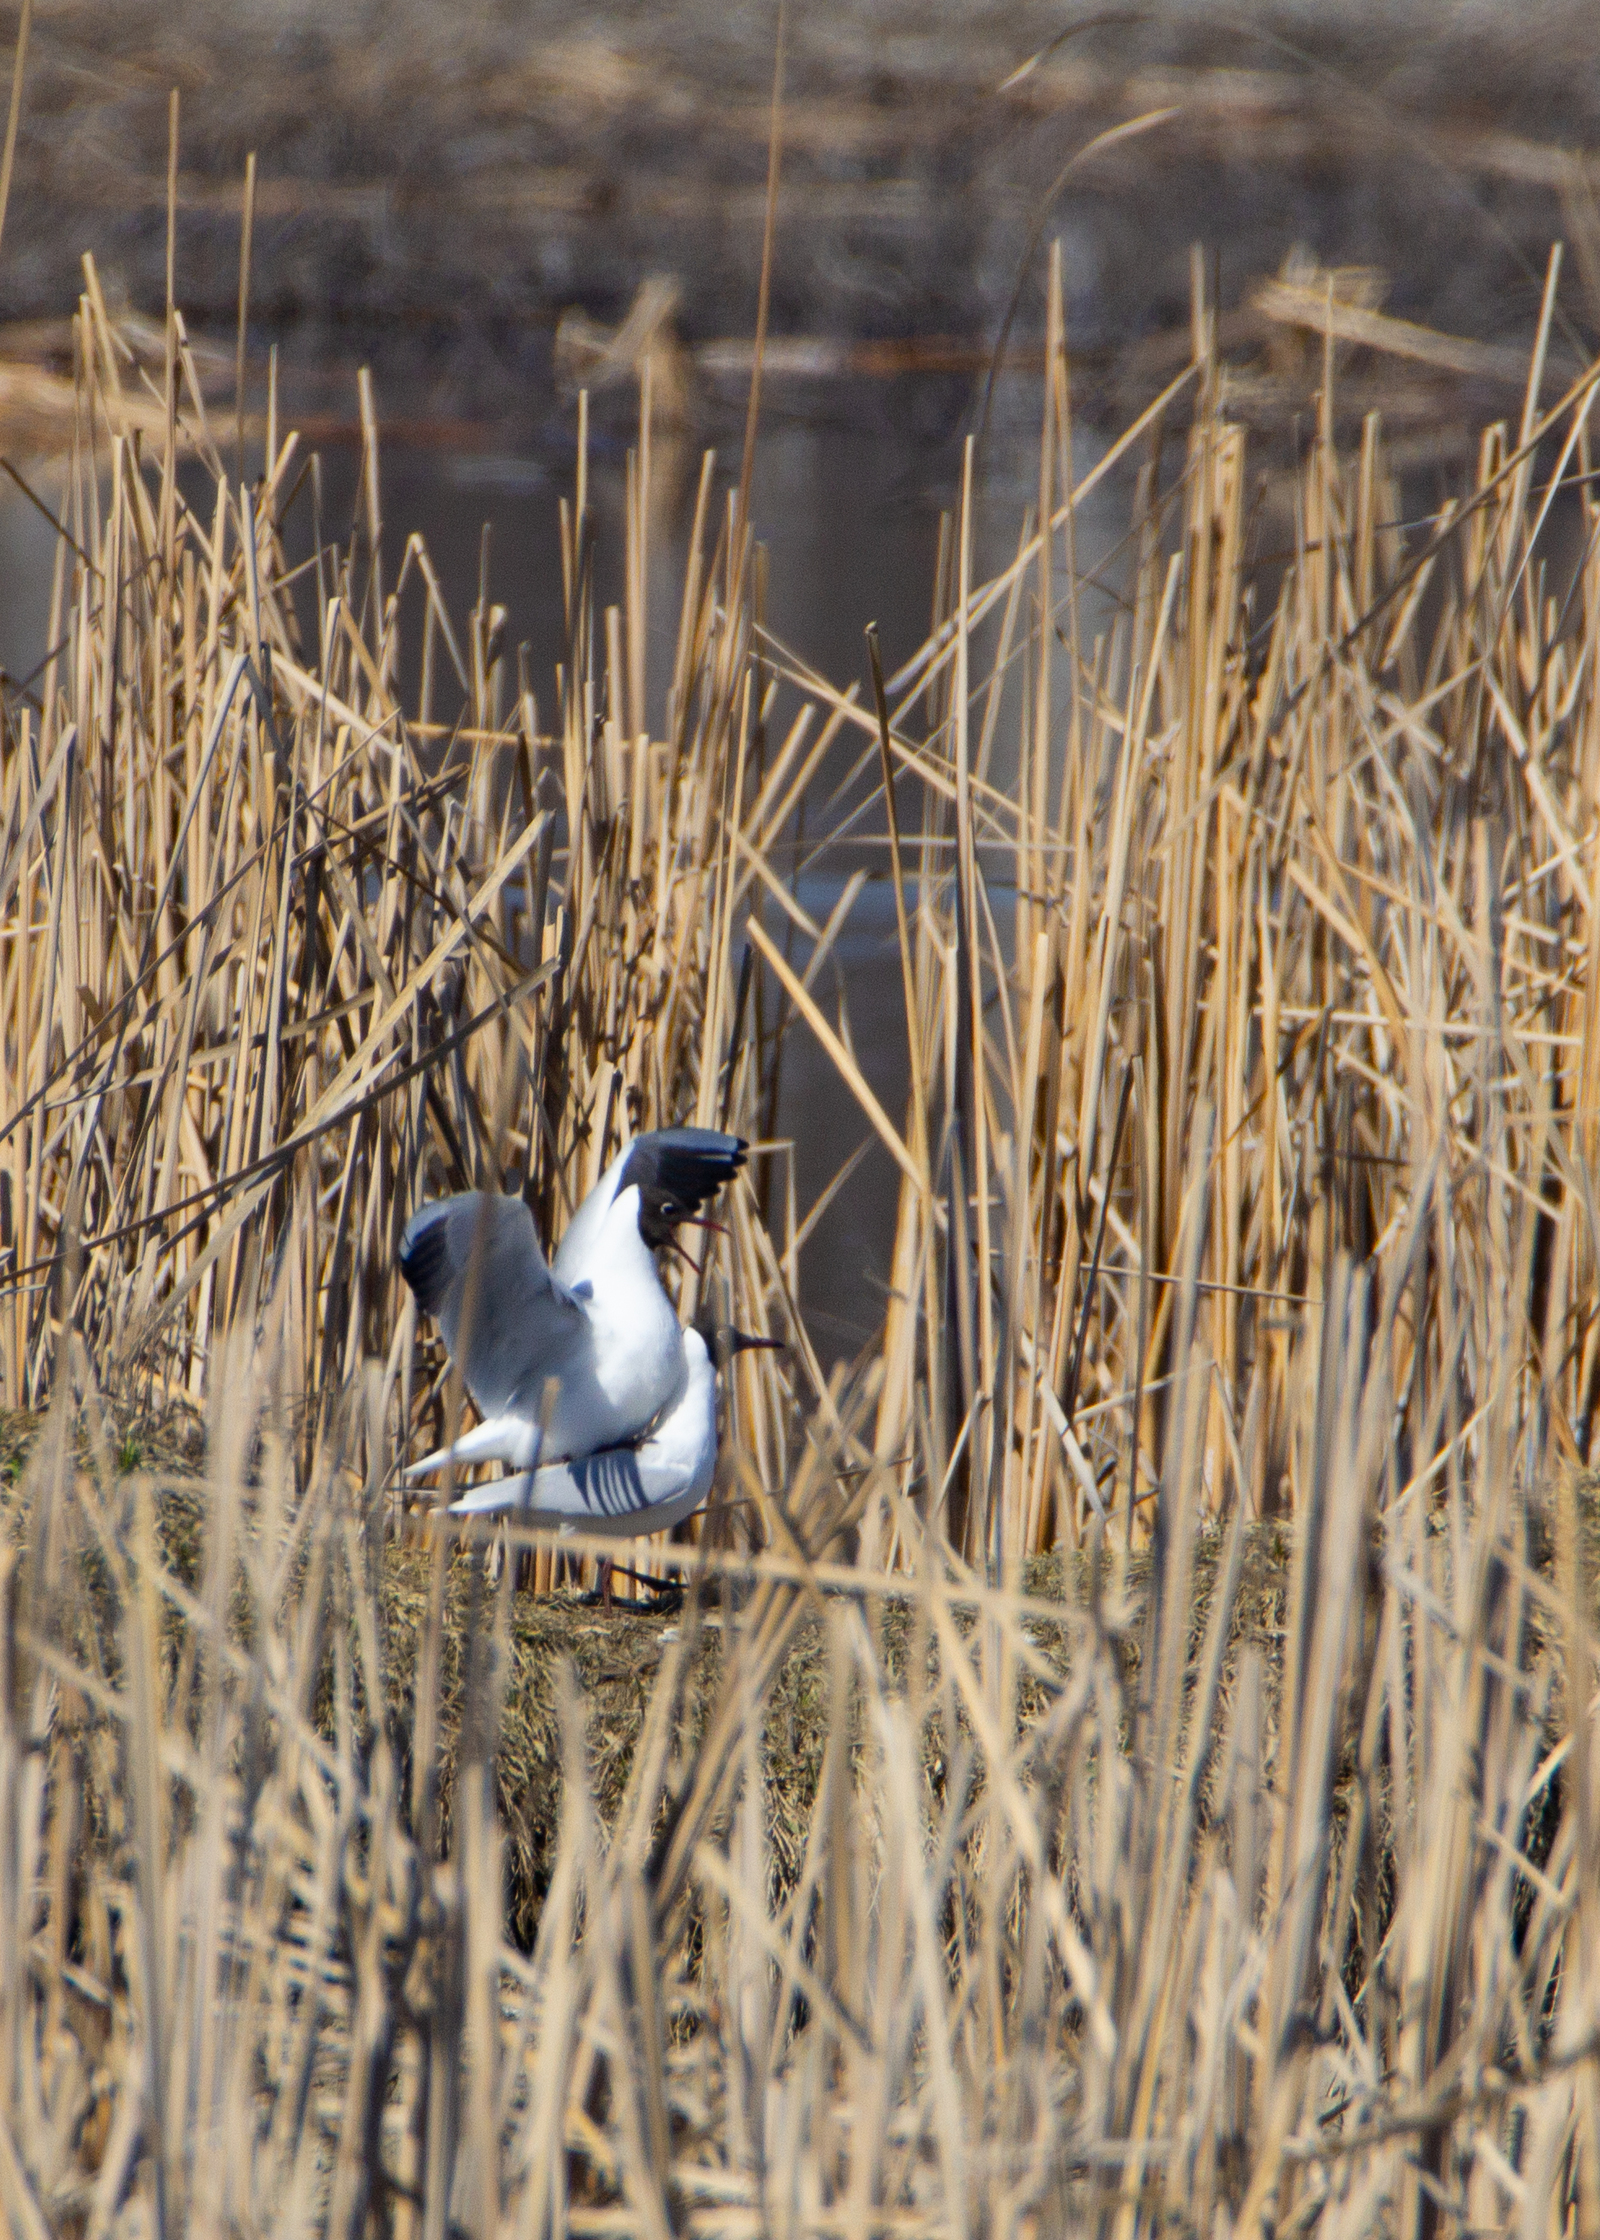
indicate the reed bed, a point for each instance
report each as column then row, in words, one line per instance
column 1263, row 942
column 1245, row 1205
column 281, row 959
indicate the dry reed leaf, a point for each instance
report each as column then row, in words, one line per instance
column 1230, row 1866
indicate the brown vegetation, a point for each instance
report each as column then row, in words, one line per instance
column 1248, row 967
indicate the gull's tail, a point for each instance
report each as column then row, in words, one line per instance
column 511, row 1439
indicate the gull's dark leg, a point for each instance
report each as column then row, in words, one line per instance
column 666, row 1594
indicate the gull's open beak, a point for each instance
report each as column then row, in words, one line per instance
column 696, row 1221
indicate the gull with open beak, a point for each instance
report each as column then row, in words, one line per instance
column 568, row 1356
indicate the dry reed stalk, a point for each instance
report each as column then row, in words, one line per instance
column 1256, row 1143
column 278, row 962
column 1012, row 1980
column 1324, row 870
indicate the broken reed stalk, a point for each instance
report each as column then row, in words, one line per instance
column 1174, row 1909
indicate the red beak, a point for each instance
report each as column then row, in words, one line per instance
column 697, row 1221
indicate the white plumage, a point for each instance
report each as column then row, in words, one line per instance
column 584, row 1354
column 629, row 1490
column 625, row 1490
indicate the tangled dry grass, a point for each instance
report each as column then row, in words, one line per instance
column 1245, row 1185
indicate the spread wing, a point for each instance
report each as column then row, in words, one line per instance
column 519, row 1324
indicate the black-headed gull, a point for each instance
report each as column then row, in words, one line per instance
column 582, row 1353
column 626, row 1491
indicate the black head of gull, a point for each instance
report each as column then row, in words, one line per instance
column 675, row 1171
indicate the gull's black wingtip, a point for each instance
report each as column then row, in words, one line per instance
column 689, row 1164
column 425, row 1256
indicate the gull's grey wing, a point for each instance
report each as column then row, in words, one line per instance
column 619, row 1490
column 523, row 1322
